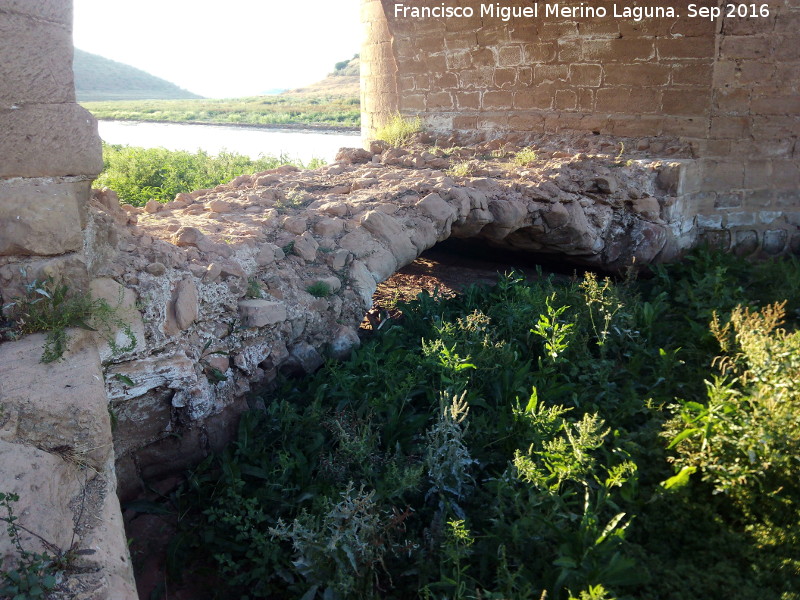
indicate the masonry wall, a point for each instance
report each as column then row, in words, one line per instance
column 723, row 92
column 49, row 147
column 55, row 432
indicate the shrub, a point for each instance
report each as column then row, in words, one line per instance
column 140, row 174
column 363, row 480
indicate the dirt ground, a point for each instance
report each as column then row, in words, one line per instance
column 449, row 268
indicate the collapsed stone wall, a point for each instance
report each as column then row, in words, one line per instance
column 722, row 92
column 55, row 431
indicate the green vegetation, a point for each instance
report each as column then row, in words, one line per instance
column 34, row 575
column 525, row 156
column 464, row 168
column 52, row 308
column 98, row 78
column 139, row 174
column 399, row 131
column 562, row 439
column 307, row 110
column 319, row 289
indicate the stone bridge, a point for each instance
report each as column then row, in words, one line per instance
column 274, row 271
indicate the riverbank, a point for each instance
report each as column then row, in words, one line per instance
column 286, row 111
column 293, row 127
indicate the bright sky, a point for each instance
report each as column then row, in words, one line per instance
column 223, row 48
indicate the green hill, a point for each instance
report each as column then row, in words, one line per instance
column 99, row 79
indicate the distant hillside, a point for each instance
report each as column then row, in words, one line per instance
column 344, row 81
column 100, row 79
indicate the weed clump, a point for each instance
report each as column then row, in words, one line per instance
column 525, row 157
column 319, row 289
column 52, row 308
column 399, row 131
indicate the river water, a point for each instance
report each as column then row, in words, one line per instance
column 252, row 141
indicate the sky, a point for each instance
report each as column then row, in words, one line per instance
column 223, row 48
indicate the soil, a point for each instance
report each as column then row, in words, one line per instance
column 449, row 268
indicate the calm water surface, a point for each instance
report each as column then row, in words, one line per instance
column 297, row 144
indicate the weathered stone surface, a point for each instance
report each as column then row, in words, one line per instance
column 135, row 378
column 774, row 241
column 305, row 246
column 62, row 403
column 126, row 315
column 648, row 207
column 41, row 216
column 220, row 206
column 388, row 230
column 46, row 484
column 49, row 140
column 557, row 216
column 37, row 62
column 185, row 306
column 191, row 236
column 46, row 10
column 329, row 227
column 353, row 155
column 345, row 340
column 306, row 356
column 260, row 313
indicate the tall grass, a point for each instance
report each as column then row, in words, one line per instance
column 399, row 131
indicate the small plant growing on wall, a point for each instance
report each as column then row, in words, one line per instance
column 51, row 308
column 399, row 131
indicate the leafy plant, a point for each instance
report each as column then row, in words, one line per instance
column 34, row 575
column 555, row 489
column 52, row 308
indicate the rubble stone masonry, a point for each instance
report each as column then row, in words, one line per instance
column 726, row 87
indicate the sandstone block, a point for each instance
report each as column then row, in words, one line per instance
column 353, row 155
column 648, row 208
column 260, row 313
column 340, row 259
column 41, row 217
column 437, row 209
column 48, row 140
column 191, row 236
column 37, row 61
column 363, row 283
column 306, row 357
column 557, row 216
column 186, row 304
column 62, row 403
